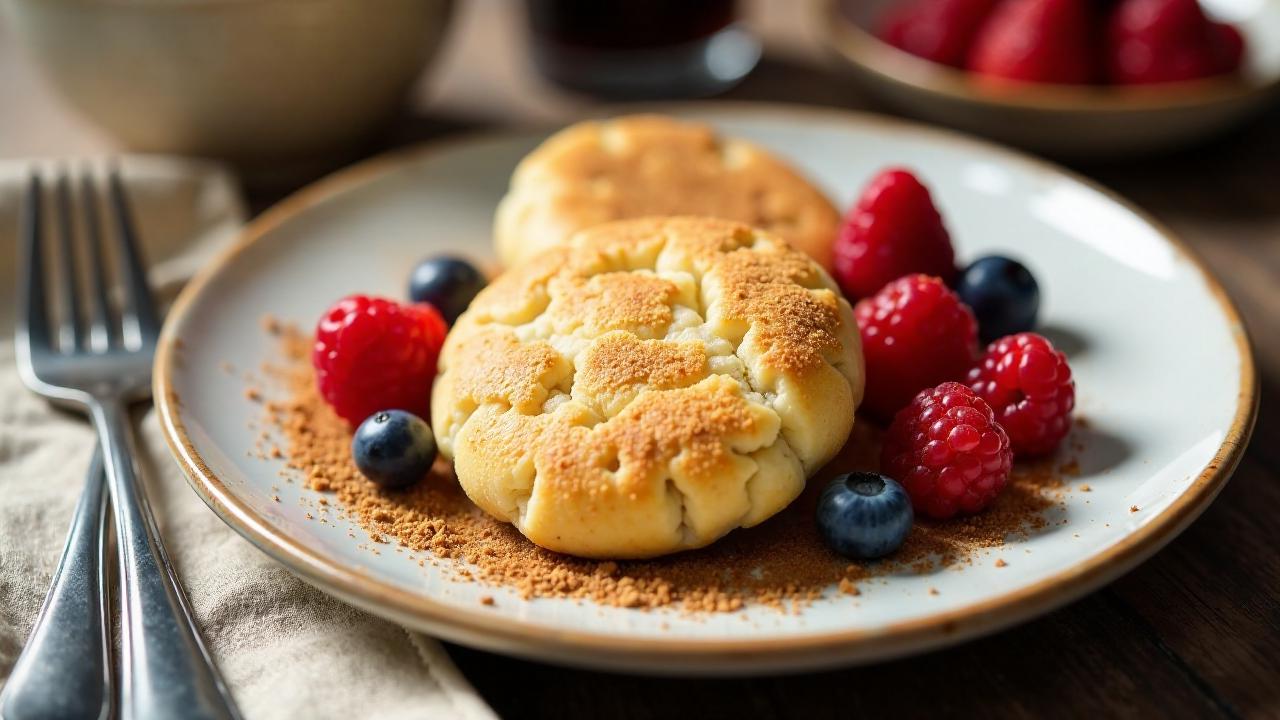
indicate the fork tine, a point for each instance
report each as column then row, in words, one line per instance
column 33, row 313
column 70, row 326
column 101, row 333
column 139, row 322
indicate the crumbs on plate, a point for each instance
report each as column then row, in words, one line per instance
column 781, row 563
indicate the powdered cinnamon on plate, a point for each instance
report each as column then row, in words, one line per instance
column 781, row 563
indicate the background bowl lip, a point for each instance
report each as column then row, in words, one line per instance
column 718, row 655
column 872, row 55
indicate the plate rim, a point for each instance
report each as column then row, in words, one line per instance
column 521, row 636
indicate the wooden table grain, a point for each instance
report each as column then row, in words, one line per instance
column 1194, row 632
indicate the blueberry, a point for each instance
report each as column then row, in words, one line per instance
column 394, row 448
column 448, row 283
column 1003, row 294
column 863, row 515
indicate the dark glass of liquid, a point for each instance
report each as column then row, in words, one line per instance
column 641, row 49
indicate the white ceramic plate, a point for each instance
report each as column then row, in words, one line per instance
column 1163, row 366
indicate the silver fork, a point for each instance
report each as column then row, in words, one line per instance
column 102, row 366
column 65, row 669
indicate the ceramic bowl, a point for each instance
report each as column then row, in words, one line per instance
column 247, row 80
column 1064, row 121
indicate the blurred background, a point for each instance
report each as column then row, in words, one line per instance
column 486, row 69
column 320, row 82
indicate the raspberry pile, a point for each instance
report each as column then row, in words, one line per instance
column 958, row 415
column 1075, row 42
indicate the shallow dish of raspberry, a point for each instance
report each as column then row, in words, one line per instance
column 1165, row 384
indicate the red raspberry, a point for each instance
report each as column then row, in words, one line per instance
column 892, row 231
column 1028, row 384
column 372, row 354
column 1228, row 46
column 915, row 334
column 1158, row 41
column 937, row 30
column 948, row 451
column 1042, row 41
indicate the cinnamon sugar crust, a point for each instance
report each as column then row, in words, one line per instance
column 641, row 165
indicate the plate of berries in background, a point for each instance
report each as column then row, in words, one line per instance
column 1077, row 79
column 1048, row 388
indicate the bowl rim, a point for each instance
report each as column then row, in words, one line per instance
column 737, row 655
column 868, row 53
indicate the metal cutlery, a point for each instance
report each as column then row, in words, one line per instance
column 65, row 669
column 100, row 363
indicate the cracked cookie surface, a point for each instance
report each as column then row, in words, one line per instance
column 641, row 165
column 648, row 386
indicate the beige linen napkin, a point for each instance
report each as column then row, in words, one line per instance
column 286, row 649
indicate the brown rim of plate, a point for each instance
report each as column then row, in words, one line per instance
column 486, row 628
column 872, row 55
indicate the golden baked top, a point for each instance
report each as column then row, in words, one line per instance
column 648, row 386
column 643, row 165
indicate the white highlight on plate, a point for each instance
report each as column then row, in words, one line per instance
column 1233, row 10
column 987, row 178
column 1108, row 228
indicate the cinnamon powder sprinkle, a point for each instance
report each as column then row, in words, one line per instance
column 781, row 563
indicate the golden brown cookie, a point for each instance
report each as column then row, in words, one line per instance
column 642, row 165
column 648, row 386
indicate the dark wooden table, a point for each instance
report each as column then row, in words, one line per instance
column 1194, row 632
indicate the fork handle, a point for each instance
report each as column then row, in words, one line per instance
column 166, row 670
column 64, row 670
